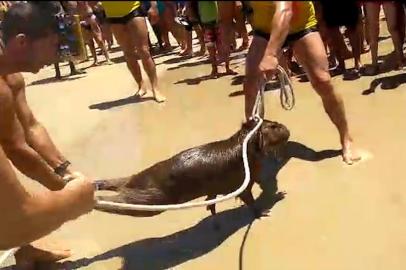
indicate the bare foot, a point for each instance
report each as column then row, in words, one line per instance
column 229, row 71
column 243, row 47
column 95, row 64
column 158, row 96
column 365, row 48
column 399, row 65
column 201, row 52
column 214, row 74
column 77, row 72
column 28, row 256
column 349, row 157
column 141, row 90
column 186, row 53
column 109, row 62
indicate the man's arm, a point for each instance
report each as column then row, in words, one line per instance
column 280, row 26
column 26, row 217
column 280, row 29
column 35, row 133
column 12, row 139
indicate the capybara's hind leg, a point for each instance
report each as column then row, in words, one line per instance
column 211, row 207
column 248, row 199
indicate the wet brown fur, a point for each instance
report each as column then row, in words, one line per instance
column 208, row 170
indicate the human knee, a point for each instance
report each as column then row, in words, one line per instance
column 143, row 52
column 321, row 82
column 130, row 53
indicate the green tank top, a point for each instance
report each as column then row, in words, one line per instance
column 208, row 11
column 161, row 7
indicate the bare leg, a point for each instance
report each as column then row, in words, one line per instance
column 356, row 44
column 364, row 36
column 39, row 252
column 97, row 35
column 177, row 31
column 164, row 33
column 309, row 51
column 395, row 23
column 372, row 11
column 120, row 32
column 226, row 14
column 334, row 43
column 73, row 70
column 212, row 55
column 200, row 36
column 252, row 78
column 57, row 71
column 107, row 34
column 241, row 28
column 137, row 28
column 189, row 44
column 93, row 51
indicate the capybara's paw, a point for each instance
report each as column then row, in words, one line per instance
column 280, row 196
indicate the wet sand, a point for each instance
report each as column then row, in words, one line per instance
column 333, row 216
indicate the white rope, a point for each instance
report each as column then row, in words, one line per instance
column 284, row 92
column 7, row 254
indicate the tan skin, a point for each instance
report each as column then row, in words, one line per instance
column 133, row 39
column 262, row 61
column 168, row 24
column 107, row 35
column 26, row 143
column 226, row 15
column 396, row 25
column 229, row 11
column 86, row 13
column 334, row 39
column 187, row 11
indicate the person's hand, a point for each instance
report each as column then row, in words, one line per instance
column 153, row 15
column 268, row 65
column 83, row 190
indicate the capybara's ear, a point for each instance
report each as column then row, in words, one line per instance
column 267, row 137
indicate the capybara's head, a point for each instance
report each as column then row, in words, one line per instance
column 272, row 135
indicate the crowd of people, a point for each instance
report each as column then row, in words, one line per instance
column 304, row 37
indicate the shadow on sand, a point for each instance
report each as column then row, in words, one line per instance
column 55, row 80
column 120, row 102
column 387, row 83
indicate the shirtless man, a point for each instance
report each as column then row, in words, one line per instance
column 30, row 42
column 287, row 23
